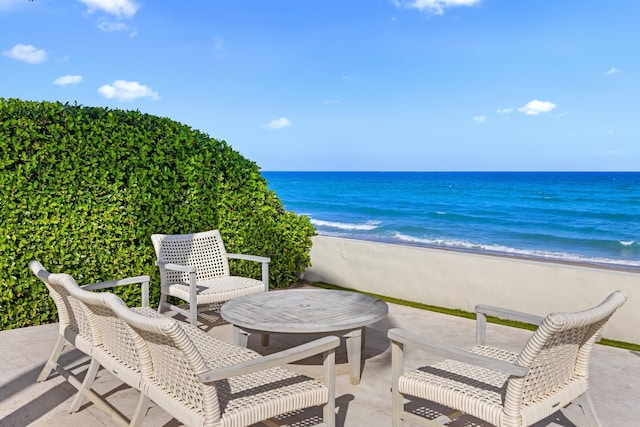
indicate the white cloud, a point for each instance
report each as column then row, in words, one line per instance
column 480, row 119
column 436, row 7
column 27, row 53
column 67, row 80
column 535, row 107
column 112, row 26
column 613, row 70
column 119, row 8
column 504, row 110
column 280, row 123
column 126, row 91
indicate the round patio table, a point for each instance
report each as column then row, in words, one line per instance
column 306, row 311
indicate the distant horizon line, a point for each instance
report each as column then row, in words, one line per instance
column 451, row 171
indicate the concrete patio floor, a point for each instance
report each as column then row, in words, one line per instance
column 615, row 374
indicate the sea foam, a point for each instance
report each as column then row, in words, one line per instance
column 367, row 226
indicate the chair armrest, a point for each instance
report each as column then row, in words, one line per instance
column 265, row 265
column 176, row 267
column 404, row 337
column 249, row 257
column 143, row 280
column 505, row 313
column 482, row 311
column 300, row 352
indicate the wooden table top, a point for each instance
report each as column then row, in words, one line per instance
column 304, row 311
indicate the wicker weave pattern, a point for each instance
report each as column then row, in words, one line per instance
column 200, row 272
column 205, row 251
column 173, row 369
column 71, row 315
column 65, row 314
column 74, row 323
column 557, row 358
column 251, row 398
column 180, row 351
column 552, row 368
column 117, row 342
column 80, row 320
column 117, row 350
column 222, row 289
column 100, row 334
column 469, row 388
column 215, row 352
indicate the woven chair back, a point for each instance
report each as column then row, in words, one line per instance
column 175, row 361
column 204, row 250
column 559, row 351
column 117, row 341
column 71, row 312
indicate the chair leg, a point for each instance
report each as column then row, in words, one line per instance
column 589, row 410
column 163, row 302
column 193, row 299
column 53, row 359
column 144, row 403
column 89, row 378
column 329, row 409
column 264, row 338
column 397, row 401
column 193, row 314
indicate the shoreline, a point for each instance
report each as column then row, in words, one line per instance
column 525, row 257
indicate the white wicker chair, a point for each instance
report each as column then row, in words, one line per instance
column 95, row 333
column 500, row 387
column 203, row 381
column 195, row 268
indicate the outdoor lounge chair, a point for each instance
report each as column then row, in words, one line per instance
column 203, row 381
column 92, row 334
column 195, row 268
column 501, row 387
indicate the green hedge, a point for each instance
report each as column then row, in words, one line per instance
column 83, row 188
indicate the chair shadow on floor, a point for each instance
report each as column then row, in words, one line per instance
column 313, row 416
column 74, row 363
column 207, row 320
column 433, row 410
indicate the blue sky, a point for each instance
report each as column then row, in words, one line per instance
column 423, row 85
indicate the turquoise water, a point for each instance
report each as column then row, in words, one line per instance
column 570, row 216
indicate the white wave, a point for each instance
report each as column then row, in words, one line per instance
column 368, row 226
column 627, row 242
column 559, row 256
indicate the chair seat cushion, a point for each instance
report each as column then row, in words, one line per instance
column 218, row 290
column 480, row 392
column 258, row 396
column 244, row 400
column 471, row 389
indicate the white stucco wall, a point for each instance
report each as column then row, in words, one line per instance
column 461, row 280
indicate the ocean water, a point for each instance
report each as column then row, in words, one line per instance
column 591, row 217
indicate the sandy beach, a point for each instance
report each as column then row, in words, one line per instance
column 460, row 280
